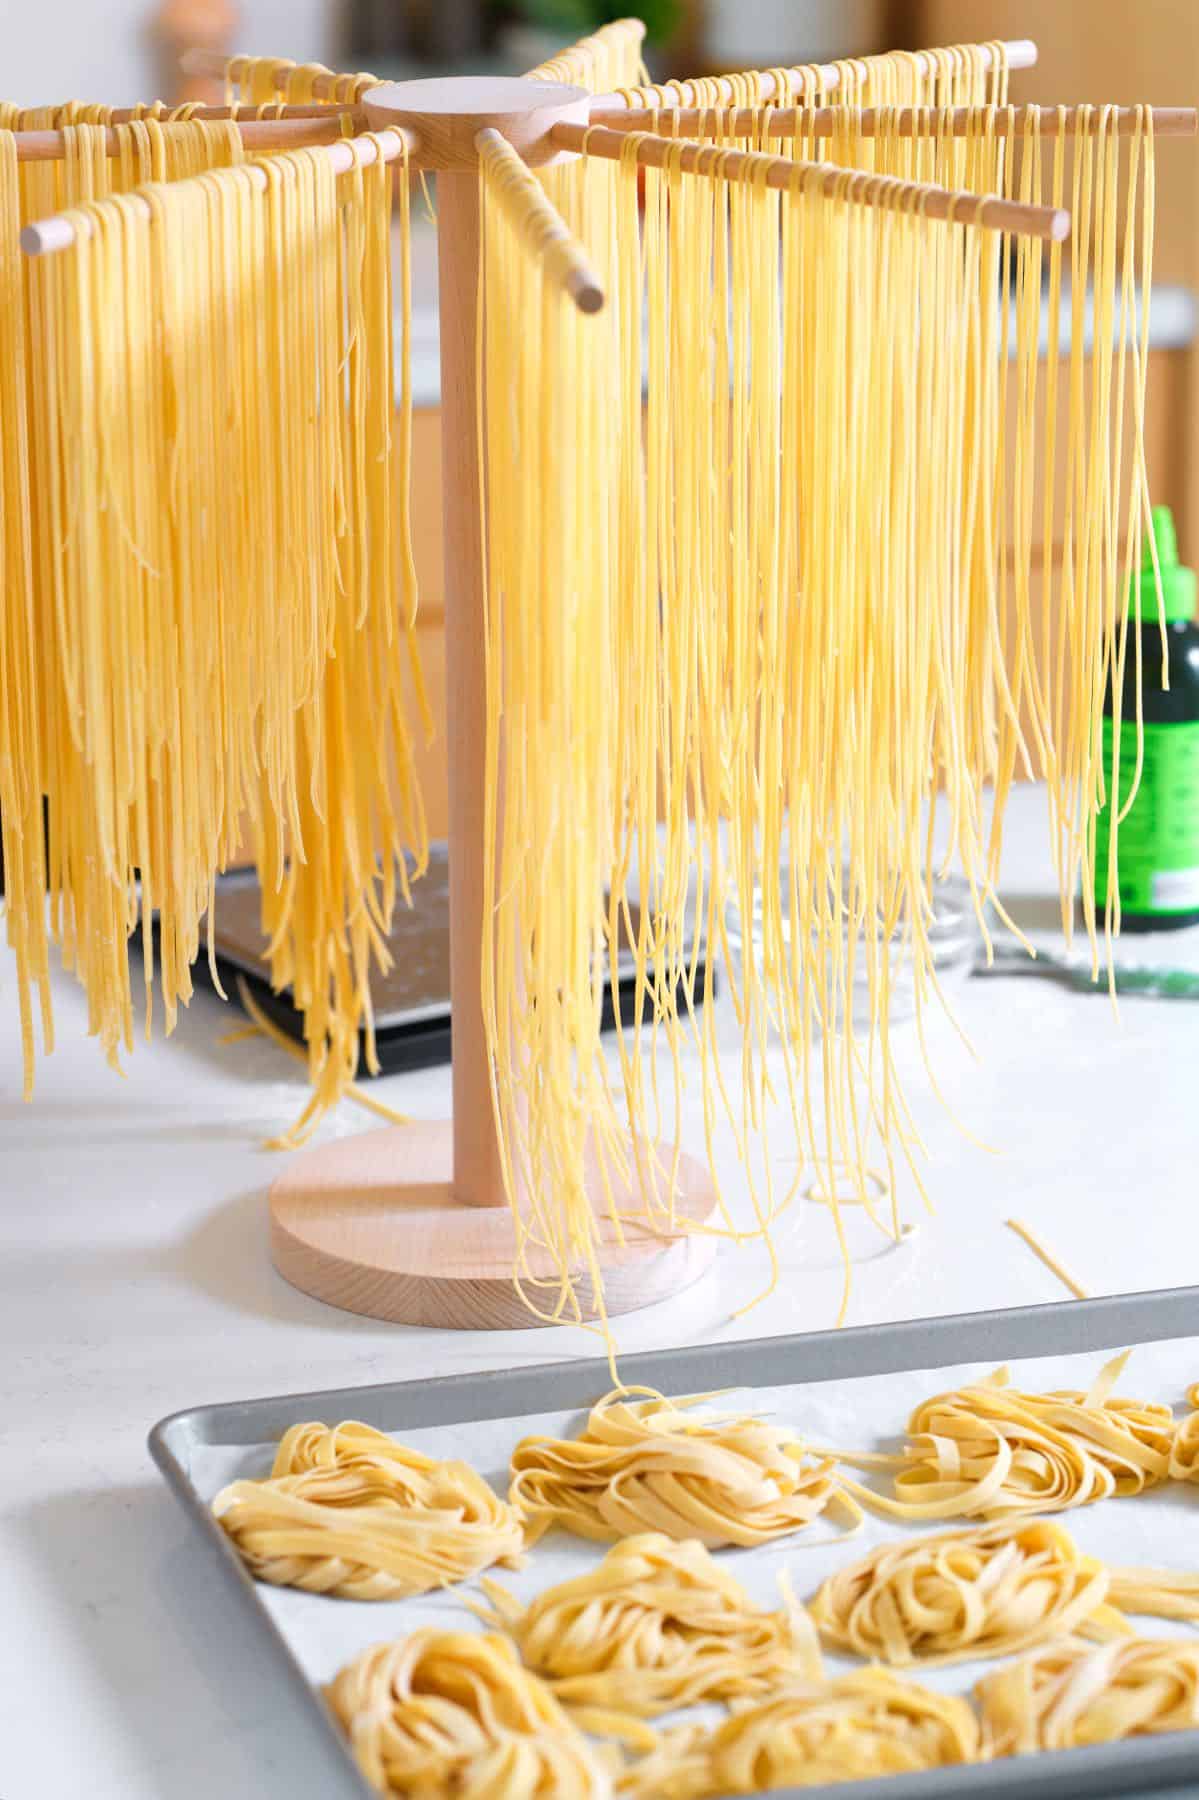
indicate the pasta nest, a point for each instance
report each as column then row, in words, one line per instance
column 453, row 1714
column 655, row 1625
column 1069, row 1695
column 868, row 1723
column 989, row 1450
column 651, row 1465
column 965, row 1594
column 346, row 1510
column 1184, row 1451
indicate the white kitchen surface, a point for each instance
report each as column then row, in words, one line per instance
column 134, row 1281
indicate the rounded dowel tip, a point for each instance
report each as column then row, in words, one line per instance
column 46, row 235
column 1059, row 226
column 586, row 292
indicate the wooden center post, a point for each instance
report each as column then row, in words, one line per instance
column 412, row 1223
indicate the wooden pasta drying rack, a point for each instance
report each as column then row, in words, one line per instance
column 412, row 1223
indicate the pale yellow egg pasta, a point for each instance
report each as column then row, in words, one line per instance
column 1072, row 1694
column 445, row 1715
column 701, row 565
column 346, row 1510
column 1159, row 1593
column 965, row 1594
column 652, row 1464
column 656, row 1625
column 697, row 643
column 172, row 705
column 1184, row 1452
column 988, row 1451
column 868, row 1723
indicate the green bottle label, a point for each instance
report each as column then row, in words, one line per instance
column 1157, row 844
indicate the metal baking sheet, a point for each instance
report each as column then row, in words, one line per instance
column 182, row 1441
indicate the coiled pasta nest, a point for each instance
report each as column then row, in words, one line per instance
column 655, row 1625
column 348, row 1511
column 447, row 1715
column 989, row 1451
column 864, row 1724
column 652, row 1465
column 965, row 1594
column 1068, row 1695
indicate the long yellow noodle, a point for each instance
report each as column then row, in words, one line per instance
column 1159, row 1593
column 686, row 650
column 453, row 1716
column 215, row 630
column 175, row 689
column 21, row 754
column 37, row 756
column 781, row 670
column 1048, row 1258
column 656, row 1625
column 329, row 873
column 653, row 1465
column 1069, row 1695
column 738, row 636
column 346, row 1510
column 268, row 80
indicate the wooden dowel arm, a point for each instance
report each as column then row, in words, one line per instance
column 782, row 172
column 57, row 232
column 823, row 121
column 533, row 214
column 1021, row 54
column 257, row 135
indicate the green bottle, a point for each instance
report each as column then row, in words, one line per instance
column 1158, row 840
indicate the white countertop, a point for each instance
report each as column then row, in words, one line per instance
column 134, row 1281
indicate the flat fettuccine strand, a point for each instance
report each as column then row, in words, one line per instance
column 1184, row 1452
column 868, row 1723
column 1160, row 1593
column 656, row 1625
column 652, row 1465
column 348, row 1511
column 1071, row 1694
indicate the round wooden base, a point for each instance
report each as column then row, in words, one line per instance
column 370, row 1224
